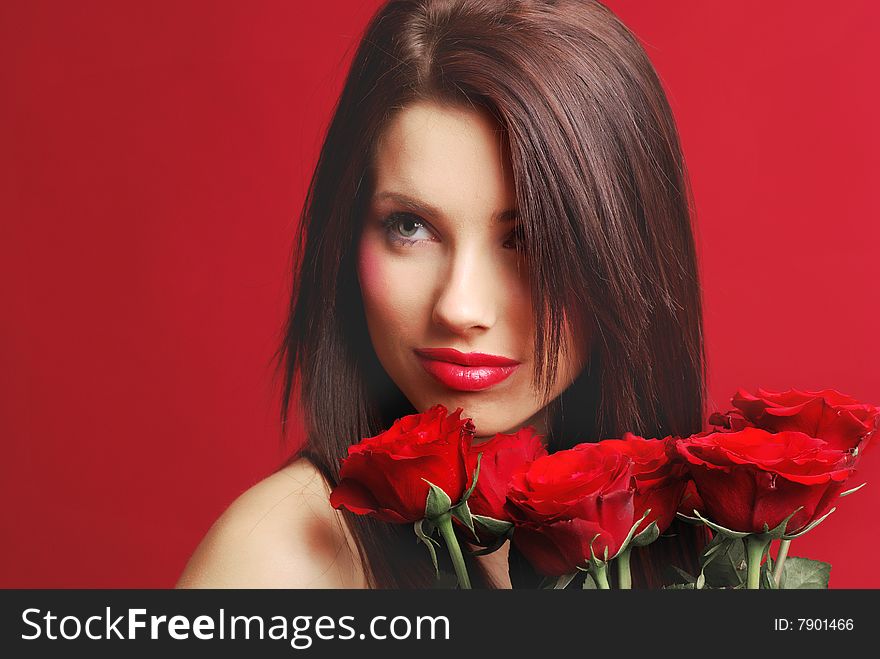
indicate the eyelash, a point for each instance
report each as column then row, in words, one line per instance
column 390, row 224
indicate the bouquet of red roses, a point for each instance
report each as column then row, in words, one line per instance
column 770, row 471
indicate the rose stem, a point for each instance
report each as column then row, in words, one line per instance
column 444, row 523
column 755, row 547
column 781, row 555
column 600, row 574
column 624, row 577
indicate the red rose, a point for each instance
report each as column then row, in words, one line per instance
column 503, row 456
column 752, row 478
column 384, row 476
column 840, row 420
column 564, row 500
column 660, row 476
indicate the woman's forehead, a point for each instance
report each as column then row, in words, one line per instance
column 447, row 159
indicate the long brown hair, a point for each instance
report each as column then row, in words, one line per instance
column 603, row 196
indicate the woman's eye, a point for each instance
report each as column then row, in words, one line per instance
column 514, row 239
column 405, row 228
column 408, row 229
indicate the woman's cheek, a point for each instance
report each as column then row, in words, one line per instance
column 371, row 273
column 514, row 290
column 394, row 287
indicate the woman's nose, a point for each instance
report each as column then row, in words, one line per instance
column 468, row 294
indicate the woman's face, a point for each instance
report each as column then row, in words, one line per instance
column 445, row 288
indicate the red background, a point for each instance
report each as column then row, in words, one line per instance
column 154, row 156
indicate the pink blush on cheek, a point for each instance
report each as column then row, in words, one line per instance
column 377, row 275
column 371, row 273
column 395, row 292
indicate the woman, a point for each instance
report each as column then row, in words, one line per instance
column 500, row 178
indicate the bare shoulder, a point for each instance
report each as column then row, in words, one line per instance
column 281, row 533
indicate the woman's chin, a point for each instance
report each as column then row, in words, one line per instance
column 489, row 425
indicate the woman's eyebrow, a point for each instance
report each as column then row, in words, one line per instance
column 419, row 206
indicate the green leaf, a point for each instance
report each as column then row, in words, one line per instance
column 767, row 581
column 855, row 489
column 680, row 586
column 725, row 566
column 557, row 583
column 805, row 574
column 711, row 550
column 470, row 490
column 646, row 536
column 720, row 529
column 629, row 537
column 495, row 546
column 428, row 541
column 446, row 581
column 547, row 583
column 593, row 560
column 718, row 543
column 462, row 513
column 437, row 502
column 589, row 582
column 690, row 520
column 563, row 581
column 502, row 531
column 494, row 526
column 779, row 531
column 677, row 575
column 809, row 526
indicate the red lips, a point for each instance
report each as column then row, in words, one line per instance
column 472, row 371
